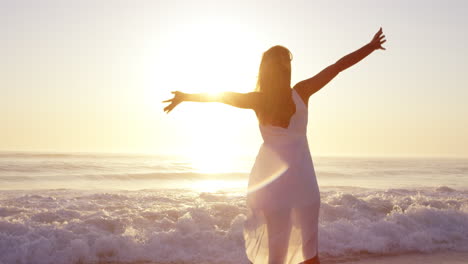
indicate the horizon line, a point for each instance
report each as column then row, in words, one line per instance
column 143, row 153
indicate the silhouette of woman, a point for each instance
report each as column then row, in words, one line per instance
column 283, row 197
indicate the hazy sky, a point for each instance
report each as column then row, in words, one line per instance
column 90, row 75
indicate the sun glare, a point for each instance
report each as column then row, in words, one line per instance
column 211, row 163
column 209, row 58
column 212, row 186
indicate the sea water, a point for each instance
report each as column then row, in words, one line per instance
column 90, row 208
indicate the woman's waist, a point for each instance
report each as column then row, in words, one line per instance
column 284, row 138
column 285, row 142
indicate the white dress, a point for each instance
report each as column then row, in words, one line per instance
column 283, row 197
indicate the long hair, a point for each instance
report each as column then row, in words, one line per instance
column 274, row 75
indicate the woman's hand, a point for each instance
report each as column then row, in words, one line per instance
column 178, row 98
column 378, row 40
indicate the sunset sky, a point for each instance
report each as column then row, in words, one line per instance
column 89, row 76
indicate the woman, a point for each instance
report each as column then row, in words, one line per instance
column 283, row 196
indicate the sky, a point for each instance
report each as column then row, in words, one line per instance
column 89, row 76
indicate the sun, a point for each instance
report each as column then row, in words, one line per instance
column 211, row 161
column 210, row 57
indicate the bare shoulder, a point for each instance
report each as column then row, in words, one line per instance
column 308, row 87
column 301, row 90
column 256, row 101
column 254, row 97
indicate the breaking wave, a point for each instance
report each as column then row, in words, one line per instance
column 183, row 226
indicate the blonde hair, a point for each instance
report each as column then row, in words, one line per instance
column 274, row 75
column 272, row 72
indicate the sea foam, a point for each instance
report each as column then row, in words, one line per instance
column 184, row 226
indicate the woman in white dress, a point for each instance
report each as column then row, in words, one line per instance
column 283, row 196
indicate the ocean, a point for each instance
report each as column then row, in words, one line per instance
column 116, row 208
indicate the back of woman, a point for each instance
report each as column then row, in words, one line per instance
column 283, row 198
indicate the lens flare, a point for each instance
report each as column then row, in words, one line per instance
column 267, row 171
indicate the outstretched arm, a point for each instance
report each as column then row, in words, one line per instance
column 240, row 100
column 308, row 87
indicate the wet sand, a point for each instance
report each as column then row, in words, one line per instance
column 432, row 258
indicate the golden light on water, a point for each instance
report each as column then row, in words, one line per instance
column 212, row 163
column 212, row 186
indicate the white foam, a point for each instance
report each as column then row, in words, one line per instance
column 69, row 226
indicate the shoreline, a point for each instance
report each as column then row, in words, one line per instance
column 443, row 257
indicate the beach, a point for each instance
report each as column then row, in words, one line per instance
column 429, row 258
column 82, row 208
